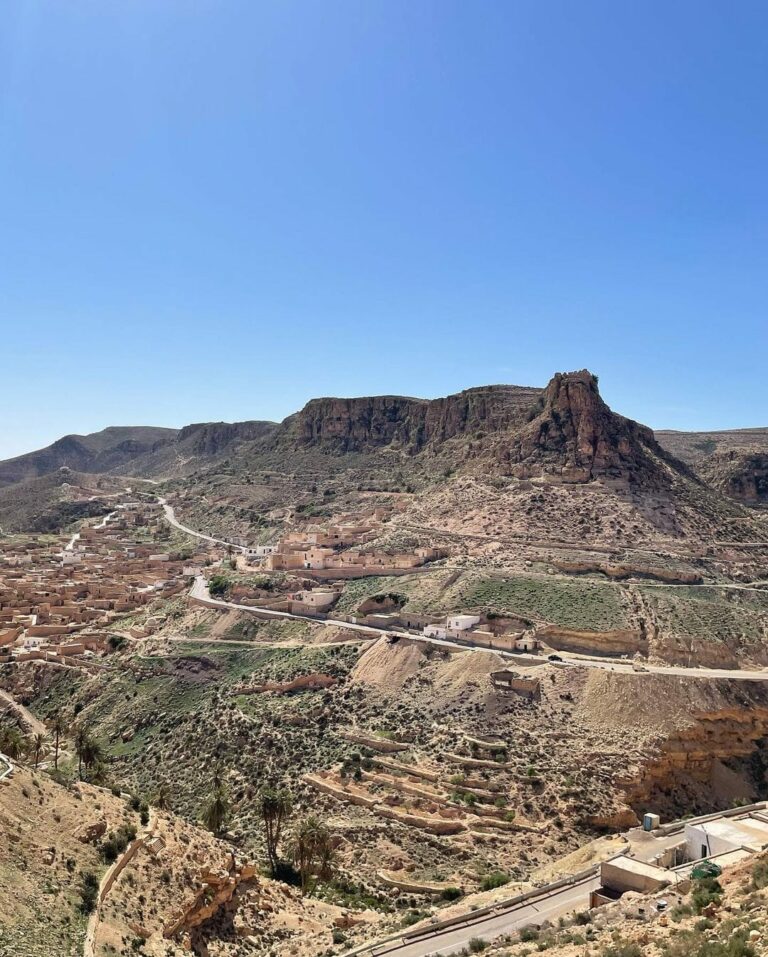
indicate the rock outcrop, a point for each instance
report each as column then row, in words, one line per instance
column 741, row 474
column 563, row 433
column 210, row 439
column 575, row 437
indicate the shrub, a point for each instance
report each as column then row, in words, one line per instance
column 477, row 945
column 451, row 893
column 218, row 585
column 760, row 873
column 694, row 944
column 114, row 845
column 411, row 918
column 623, row 948
column 89, row 891
column 706, row 890
column 496, row 879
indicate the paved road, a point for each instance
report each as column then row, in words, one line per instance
column 574, row 897
column 170, row 516
column 184, row 639
column 200, row 591
column 676, row 670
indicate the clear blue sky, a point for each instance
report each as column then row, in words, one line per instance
column 215, row 210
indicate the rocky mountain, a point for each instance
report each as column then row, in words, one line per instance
column 143, row 451
column 112, row 449
column 695, row 447
column 564, row 434
column 575, row 437
column 739, row 473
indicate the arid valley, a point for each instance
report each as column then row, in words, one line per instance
column 371, row 679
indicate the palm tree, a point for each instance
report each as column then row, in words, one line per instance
column 89, row 751
column 216, row 810
column 163, row 797
column 94, row 753
column 57, row 727
column 312, row 850
column 38, row 743
column 275, row 806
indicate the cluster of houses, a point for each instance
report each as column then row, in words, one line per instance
column 339, row 551
column 58, row 597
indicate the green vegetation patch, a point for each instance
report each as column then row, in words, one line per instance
column 583, row 605
column 732, row 616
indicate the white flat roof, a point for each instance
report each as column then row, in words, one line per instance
column 747, row 830
column 637, row 867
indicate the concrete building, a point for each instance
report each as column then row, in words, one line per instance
column 709, row 838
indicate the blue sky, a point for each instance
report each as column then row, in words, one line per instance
column 216, row 210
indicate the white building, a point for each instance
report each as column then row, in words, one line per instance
column 260, row 551
column 709, row 838
column 434, row 631
column 462, row 622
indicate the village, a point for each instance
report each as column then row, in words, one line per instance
column 60, row 596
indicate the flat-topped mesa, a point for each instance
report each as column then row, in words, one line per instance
column 373, row 422
column 575, row 437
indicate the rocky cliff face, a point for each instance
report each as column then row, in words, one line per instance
column 575, row 437
column 364, row 424
column 740, row 473
column 210, row 439
column 564, row 432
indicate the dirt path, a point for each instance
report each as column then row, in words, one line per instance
column 35, row 724
column 109, row 877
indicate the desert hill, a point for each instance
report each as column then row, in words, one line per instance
column 693, row 447
column 61, row 842
column 133, row 450
column 501, row 462
column 112, row 448
column 734, row 462
column 515, row 457
column 53, row 501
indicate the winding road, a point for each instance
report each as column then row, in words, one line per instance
column 200, row 591
column 170, row 517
